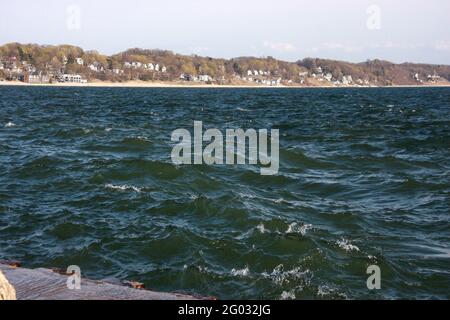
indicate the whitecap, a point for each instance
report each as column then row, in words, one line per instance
column 108, row 129
column 123, row 187
column 280, row 277
column 193, row 196
column 288, row 295
column 242, row 109
column 9, row 125
column 346, row 245
column 240, row 272
column 327, row 291
column 261, row 228
column 301, row 229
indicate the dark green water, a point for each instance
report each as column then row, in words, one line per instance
column 86, row 179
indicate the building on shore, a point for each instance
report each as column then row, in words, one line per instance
column 71, row 78
column 205, row 78
column 34, row 77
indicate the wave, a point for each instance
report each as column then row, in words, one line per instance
column 346, row 245
column 240, row 272
column 281, row 277
column 10, row 125
column 328, row 292
column 299, row 229
column 288, row 295
column 123, row 187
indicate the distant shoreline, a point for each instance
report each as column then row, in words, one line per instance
column 144, row 84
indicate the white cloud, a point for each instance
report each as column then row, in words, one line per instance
column 343, row 47
column 442, row 45
column 280, row 46
column 392, row 45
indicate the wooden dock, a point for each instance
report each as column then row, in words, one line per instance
column 46, row 284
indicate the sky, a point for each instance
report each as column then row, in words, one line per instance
column 351, row 30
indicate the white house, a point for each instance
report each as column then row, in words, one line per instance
column 255, row 72
column 74, row 78
column 164, row 69
column 328, row 76
column 249, row 72
column 80, row 61
column 346, row 80
column 151, row 67
column 96, row 67
column 204, row 78
column 433, row 77
column 136, row 65
column 127, row 65
column 157, row 67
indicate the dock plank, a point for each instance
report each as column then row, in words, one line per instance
column 44, row 284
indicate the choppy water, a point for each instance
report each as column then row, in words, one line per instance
column 86, row 179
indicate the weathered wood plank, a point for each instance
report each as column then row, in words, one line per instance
column 44, row 284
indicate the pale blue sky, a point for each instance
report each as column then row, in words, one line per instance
column 413, row 30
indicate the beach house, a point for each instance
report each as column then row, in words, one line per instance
column 34, row 77
column 71, row 78
column 346, row 80
column 205, row 78
column 93, row 67
column 136, row 65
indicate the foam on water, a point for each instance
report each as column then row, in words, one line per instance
column 346, row 245
column 288, row 295
column 240, row 272
column 123, row 187
column 300, row 229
